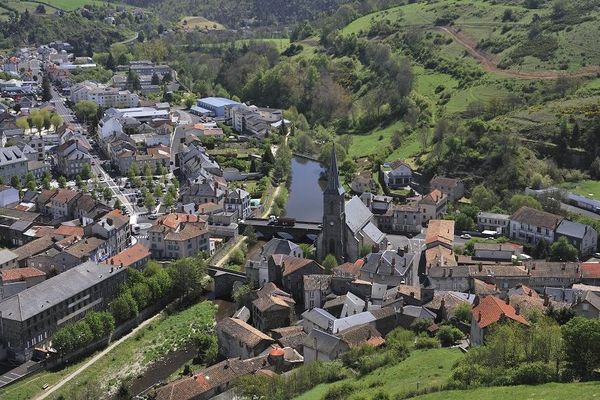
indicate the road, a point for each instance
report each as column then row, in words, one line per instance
column 98, row 356
column 66, row 113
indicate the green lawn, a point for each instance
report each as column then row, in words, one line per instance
column 127, row 360
column 422, row 368
column 72, row 4
column 369, row 143
column 588, row 188
column 550, row 391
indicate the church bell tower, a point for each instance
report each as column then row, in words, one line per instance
column 333, row 236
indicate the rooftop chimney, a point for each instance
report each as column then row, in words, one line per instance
column 507, row 300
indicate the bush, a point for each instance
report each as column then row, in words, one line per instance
column 534, row 373
column 400, row 341
column 448, row 335
column 339, row 392
column 426, row 342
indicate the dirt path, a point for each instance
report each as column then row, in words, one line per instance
column 88, row 364
column 233, row 248
column 490, row 65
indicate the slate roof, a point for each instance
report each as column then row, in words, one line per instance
column 278, row 246
column 53, row 291
column 242, row 331
column 572, row 229
column 357, row 214
column 352, row 320
column 490, row 309
column 382, row 263
column 531, row 216
column 11, row 155
column 593, row 299
column 7, row 256
column 319, row 317
column 444, row 181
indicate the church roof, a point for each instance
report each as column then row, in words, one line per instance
column 357, row 214
column 333, row 185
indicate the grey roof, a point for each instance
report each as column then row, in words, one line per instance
column 7, row 256
column 53, row 291
column 242, row 314
column 333, row 178
column 593, row 299
column 11, row 155
column 352, row 320
column 352, row 305
column 278, row 246
column 357, row 214
column 324, row 341
column 582, row 199
column 319, row 317
column 373, row 233
column 572, row 229
column 418, row 312
column 381, row 263
column 484, row 214
column 21, row 225
column 217, row 101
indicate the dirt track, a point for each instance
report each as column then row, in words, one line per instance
column 489, row 64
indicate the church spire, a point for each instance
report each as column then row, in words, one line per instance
column 333, row 185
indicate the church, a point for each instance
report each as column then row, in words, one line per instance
column 349, row 226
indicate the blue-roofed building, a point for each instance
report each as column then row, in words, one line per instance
column 216, row 105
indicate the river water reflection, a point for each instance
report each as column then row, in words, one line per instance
column 305, row 202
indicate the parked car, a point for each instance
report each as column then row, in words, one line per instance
column 465, row 236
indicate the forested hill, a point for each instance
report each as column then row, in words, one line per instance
column 235, row 13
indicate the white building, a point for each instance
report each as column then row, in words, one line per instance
column 103, row 95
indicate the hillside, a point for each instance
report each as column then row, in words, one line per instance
column 423, row 368
column 504, row 34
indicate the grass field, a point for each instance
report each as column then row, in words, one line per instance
column 131, row 357
column 588, row 188
column 550, row 391
column 421, row 369
column 190, row 23
column 372, row 142
column 72, row 4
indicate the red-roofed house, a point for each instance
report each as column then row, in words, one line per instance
column 434, row 205
column 135, row 256
column 489, row 311
column 590, row 273
column 288, row 272
column 15, row 280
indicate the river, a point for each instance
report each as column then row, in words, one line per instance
column 305, row 201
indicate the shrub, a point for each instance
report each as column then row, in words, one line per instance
column 534, row 373
column 339, row 392
column 426, row 342
column 400, row 341
column 448, row 335
column 381, row 395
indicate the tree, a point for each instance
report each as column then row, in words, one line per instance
column 520, row 200
column 37, row 119
column 107, row 194
column 46, row 91
column 64, row 340
column 541, row 250
column 15, row 182
column 86, row 172
column 62, row 182
column 250, row 235
column 155, row 79
column 86, row 110
column 581, row 338
column 124, row 307
column 462, row 312
column 133, row 81
column 117, row 204
column 110, row 62
column 56, row 121
column 483, row 198
column 396, row 139
column 189, row 100
column 23, row 123
column 168, row 200
column 149, row 201
column 562, row 250
column 448, row 335
column 329, row 263
column 187, row 275
column 46, row 182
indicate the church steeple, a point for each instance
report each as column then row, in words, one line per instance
column 333, row 235
column 333, row 184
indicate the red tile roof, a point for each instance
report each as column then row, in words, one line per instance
column 173, row 220
column 590, row 270
column 130, row 256
column 490, row 309
column 67, row 230
column 19, row 274
column 440, row 230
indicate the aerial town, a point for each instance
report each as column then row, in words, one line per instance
column 164, row 240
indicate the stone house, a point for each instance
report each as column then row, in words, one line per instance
column 487, row 312
column 396, row 174
column 289, row 272
column 528, row 225
column 451, row 187
column 316, row 289
column 239, row 339
column 272, row 308
column 434, row 205
column 583, row 237
column 588, row 306
column 487, row 221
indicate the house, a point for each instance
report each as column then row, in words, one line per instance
column 528, row 225
column 104, row 96
column 590, row 273
column 114, row 228
column 324, row 346
column 289, row 271
column 487, row 221
column 407, row 218
column 363, row 182
column 352, row 305
column 211, row 381
column 272, row 308
column 257, row 268
column 58, row 204
column 15, row 280
column 13, row 163
column 439, row 244
column 8, row 259
column 252, row 120
column 434, row 205
column 238, row 339
column 72, row 156
column 588, row 305
column 391, row 268
column 8, row 125
column 317, row 319
column 445, row 303
column 489, row 311
column 177, row 235
column 136, row 256
column 497, row 251
column 396, row 174
column 316, row 289
column 204, row 190
column 30, row 317
column 8, row 195
column 237, row 200
column 552, row 274
column 583, row 237
column 453, row 188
